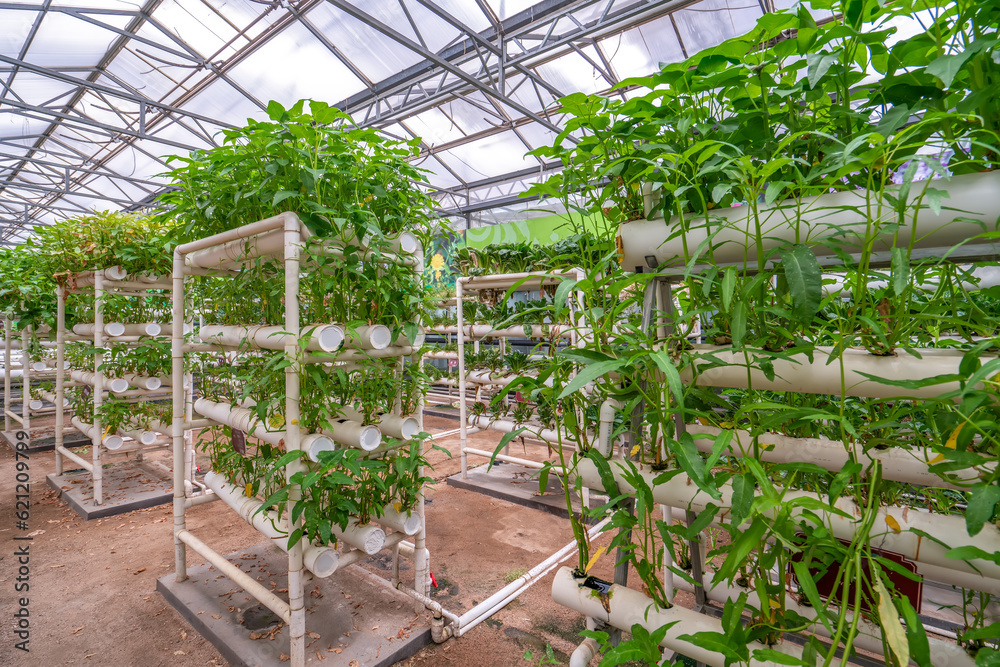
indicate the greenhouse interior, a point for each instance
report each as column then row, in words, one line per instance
column 500, row 332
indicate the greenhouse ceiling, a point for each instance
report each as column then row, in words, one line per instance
column 94, row 94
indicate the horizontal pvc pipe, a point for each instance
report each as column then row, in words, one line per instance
column 146, row 382
column 497, row 380
column 681, row 491
column 111, row 441
column 141, row 436
column 394, row 426
column 899, row 464
column 798, row 374
column 202, row 499
column 39, row 366
column 83, row 463
column 321, row 337
column 51, row 397
column 528, row 331
column 527, row 463
column 627, row 607
column 362, row 355
column 15, row 343
column 733, row 230
column 354, row 434
column 370, row 337
column 35, row 405
column 119, row 329
column 237, row 576
column 441, row 354
column 408, row 524
column 242, row 249
column 529, row 280
column 368, row 538
column 320, row 560
column 530, row 430
column 116, row 385
column 247, row 421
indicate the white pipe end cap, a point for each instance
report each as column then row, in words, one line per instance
column 407, row 242
column 370, row 438
column 321, row 561
column 374, row 540
column 153, row 383
column 409, row 428
column 113, row 442
column 35, row 405
column 379, row 336
column 118, row 385
column 152, row 329
column 411, row 524
column 114, row 329
column 39, row 366
column 148, row 437
column 315, row 445
column 330, row 337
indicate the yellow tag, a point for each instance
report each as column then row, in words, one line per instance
column 248, row 490
column 892, row 523
column 704, row 422
column 593, row 559
column 398, row 506
column 635, row 450
column 295, row 422
column 936, row 459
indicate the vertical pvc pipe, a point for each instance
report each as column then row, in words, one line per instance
column 8, row 349
column 26, row 380
column 293, row 353
column 177, row 412
column 668, row 557
column 60, row 372
column 463, row 425
column 98, row 472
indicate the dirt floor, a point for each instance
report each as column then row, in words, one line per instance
column 92, row 584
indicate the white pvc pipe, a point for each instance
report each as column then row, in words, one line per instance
column 368, row 538
column 681, row 491
column 354, row 434
column 320, row 560
column 143, row 437
column 51, row 398
column 394, row 426
column 527, row 331
column 627, row 607
column 322, row 337
column 115, row 385
column 247, row 421
column 119, row 329
column 798, row 374
column 606, row 422
column 145, row 381
column 732, row 233
column 406, row 523
column 238, row 251
column 898, row 463
column 530, row 430
column 370, row 337
column 112, row 441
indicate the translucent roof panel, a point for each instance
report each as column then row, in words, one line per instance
column 295, row 66
column 425, row 68
column 62, row 34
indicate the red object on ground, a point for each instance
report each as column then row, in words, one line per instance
column 433, row 580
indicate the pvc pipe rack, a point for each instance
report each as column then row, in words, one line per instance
column 282, row 237
column 507, row 281
column 112, row 280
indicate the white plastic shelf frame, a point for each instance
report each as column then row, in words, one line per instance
column 472, row 332
column 129, row 442
column 282, row 237
column 18, row 365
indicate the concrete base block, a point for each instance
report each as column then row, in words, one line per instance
column 127, row 485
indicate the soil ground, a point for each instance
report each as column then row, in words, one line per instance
column 92, row 584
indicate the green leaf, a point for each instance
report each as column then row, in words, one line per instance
column 738, row 326
column 774, row 189
column 920, row 650
column 777, row 657
column 728, row 288
column 743, row 487
column 900, row 270
column 818, row 65
column 981, row 507
column 805, row 281
column 748, row 540
column 504, row 441
column 808, row 585
column 591, row 373
column 281, row 196
column 666, row 365
column 947, row 67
